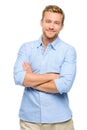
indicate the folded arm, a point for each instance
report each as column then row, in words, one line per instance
column 46, row 82
column 42, row 82
column 49, row 87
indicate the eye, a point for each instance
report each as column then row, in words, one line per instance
column 57, row 22
column 48, row 21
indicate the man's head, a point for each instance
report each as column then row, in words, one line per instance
column 52, row 22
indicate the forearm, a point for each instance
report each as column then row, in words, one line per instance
column 42, row 82
column 49, row 87
column 32, row 79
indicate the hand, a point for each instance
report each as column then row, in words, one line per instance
column 27, row 67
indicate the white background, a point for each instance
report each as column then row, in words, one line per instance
column 19, row 23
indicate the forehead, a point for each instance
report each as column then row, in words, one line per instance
column 53, row 16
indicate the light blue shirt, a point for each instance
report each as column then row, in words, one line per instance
column 59, row 57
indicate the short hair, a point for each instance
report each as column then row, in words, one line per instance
column 54, row 9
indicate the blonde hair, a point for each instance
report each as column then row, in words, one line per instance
column 54, row 9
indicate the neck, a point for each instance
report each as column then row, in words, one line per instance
column 47, row 41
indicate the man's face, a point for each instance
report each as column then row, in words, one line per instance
column 51, row 25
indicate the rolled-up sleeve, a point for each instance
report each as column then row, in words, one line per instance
column 19, row 73
column 68, row 71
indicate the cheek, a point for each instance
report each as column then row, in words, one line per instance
column 45, row 27
column 58, row 28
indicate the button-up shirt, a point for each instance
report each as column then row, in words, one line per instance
column 59, row 57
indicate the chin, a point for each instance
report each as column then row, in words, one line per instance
column 52, row 37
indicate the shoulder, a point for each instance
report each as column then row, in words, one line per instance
column 29, row 45
column 67, row 47
column 70, row 50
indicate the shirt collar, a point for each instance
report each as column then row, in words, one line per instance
column 53, row 44
column 39, row 42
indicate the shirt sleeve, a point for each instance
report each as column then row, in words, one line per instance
column 67, row 72
column 19, row 73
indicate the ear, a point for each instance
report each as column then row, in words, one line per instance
column 41, row 22
column 62, row 26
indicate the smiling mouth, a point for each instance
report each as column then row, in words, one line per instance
column 51, row 31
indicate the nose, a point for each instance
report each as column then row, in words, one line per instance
column 51, row 26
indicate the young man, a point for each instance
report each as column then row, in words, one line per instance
column 46, row 68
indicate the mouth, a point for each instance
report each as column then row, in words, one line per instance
column 51, row 31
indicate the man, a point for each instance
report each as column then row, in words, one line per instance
column 46, row 68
